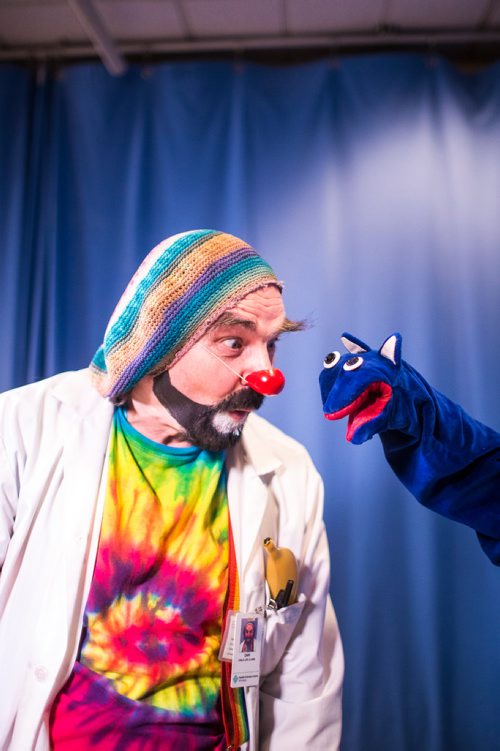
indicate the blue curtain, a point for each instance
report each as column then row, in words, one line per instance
column 372, row 186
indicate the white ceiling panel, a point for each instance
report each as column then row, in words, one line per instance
column 493, row 18
column 45, row 23
column 223, row 18
column 319, row 17
column 451, row 14
column 148, row 19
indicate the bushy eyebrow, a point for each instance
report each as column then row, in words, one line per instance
column 227, row 319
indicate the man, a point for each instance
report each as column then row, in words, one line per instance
column 134, row 505
column 446, row 459
column 248, row 643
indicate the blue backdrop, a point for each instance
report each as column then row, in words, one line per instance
column 372, row 186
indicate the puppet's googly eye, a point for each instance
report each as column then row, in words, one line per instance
column 353, row 363
column 331, row 360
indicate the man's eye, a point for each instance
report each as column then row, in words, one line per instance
column 232, row 343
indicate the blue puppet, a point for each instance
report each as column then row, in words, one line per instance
column 447, row 460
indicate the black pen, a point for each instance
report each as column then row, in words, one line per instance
column 287, row 593
column 283, row 597
column 278, row 599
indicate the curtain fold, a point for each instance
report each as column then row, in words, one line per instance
column 371, row 184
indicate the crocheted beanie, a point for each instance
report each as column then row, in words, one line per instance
column 183, row 285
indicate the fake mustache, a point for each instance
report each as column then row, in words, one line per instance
column 243, row 399
column 184, row 409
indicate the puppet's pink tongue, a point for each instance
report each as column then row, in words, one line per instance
column 366, row 407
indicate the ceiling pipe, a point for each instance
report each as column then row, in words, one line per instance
column 332, row 42
column 101, row 40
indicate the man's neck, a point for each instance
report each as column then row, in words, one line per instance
column 152, row 419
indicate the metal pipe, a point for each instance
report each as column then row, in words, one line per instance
column 332, row 42
column 99, row 36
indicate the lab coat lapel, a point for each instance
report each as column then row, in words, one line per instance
column 251, row 468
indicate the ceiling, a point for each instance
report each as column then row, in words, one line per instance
column 118, row 31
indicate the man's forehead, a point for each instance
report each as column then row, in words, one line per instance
column 263, row 305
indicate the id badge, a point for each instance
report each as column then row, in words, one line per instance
column 242, row 645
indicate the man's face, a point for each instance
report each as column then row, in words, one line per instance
column 208, row 400
column 248, row 632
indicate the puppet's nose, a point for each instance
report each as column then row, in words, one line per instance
column 266, row 382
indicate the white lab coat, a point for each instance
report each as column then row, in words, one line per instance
column 53, row 444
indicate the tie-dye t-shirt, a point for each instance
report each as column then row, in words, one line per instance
column 154, row 613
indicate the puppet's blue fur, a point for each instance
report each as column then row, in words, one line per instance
column 448, row 460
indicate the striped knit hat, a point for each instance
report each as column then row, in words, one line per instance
column 183, row 285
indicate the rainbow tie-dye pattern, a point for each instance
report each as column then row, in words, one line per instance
column 154, row 613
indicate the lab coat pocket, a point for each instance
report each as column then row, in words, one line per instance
column 280, row 625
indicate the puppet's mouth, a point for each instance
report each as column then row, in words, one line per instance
column 366, row 407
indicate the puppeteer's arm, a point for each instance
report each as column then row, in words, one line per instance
column 449, row 461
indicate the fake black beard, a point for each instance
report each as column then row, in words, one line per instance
column 197, row 420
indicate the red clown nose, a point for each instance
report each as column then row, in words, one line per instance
column 266, row 382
